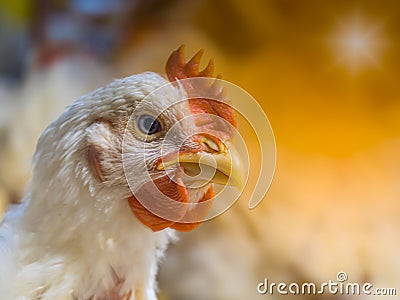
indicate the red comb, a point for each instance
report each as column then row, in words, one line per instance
column 177, row 68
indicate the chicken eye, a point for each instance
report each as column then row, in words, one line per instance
column 148, row 124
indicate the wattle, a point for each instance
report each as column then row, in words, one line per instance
column 168, row 200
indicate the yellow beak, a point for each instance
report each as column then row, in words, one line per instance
column 221, row 165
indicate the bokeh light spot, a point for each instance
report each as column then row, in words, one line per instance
column 357, row 43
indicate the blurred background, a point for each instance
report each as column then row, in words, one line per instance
column 325, row 72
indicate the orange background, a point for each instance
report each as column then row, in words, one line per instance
column 326, row 74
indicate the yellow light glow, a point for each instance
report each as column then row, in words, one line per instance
column 357, row 44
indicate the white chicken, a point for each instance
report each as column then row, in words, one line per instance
column 82, row 231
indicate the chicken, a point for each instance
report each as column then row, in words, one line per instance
column 98, row 216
